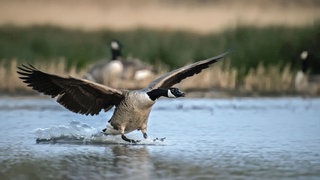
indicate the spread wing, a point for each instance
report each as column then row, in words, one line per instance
column 77, row 95
column 176, row 76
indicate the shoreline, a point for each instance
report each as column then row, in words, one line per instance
column 190, row 94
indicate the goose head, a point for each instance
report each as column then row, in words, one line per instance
column 304, row 55
column 170, row 93
column 175, row 93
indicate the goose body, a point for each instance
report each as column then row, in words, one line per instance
column 132, row 107
column 131, row 114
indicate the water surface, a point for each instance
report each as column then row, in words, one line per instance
column 240, row 138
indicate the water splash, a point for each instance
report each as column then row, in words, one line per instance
column 80, row 133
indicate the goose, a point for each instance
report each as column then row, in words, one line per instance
column 132, row 107
column 132, row 68
column 109, row 72
column 101, row 71
column 304, row 82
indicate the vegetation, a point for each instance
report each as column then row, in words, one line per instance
column 263, row 59
column 261, row 80
column 251, row 45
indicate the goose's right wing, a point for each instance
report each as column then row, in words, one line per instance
column 176, row 76
column 77, row 95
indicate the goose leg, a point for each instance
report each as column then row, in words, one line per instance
column 145, row 135
column 129, row 140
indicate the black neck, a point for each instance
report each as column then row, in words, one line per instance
column 116, row 54
column 156, row 93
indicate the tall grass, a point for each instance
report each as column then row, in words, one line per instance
column 9, row 78
column 221, row 76
column 262, row 60
column 269, row 79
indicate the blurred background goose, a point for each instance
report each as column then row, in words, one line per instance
column 111, row 72
column 304, row 82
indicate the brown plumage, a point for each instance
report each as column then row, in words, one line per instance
column 132, row 107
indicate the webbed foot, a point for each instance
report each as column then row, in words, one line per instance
column 145, row 135
column 159, row 139
column 104, row 131
column 129, row 140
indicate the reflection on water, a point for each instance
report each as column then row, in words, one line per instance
column 132, row 161
column 206, row 139
column 112, row 161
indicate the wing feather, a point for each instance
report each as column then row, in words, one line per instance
column 176, row 76
column 77, row 95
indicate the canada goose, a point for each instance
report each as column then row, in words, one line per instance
column 132, row 68
column 304, row 82
column 109, row 72
column 132, row 108
column 101, row 71
column 301, row 80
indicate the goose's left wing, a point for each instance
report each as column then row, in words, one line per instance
column 77, row 95
column 176, row 76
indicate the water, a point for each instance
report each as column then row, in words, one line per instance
column 240, row 138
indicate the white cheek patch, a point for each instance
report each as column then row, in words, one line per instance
column 170, row 95
column 114, row 45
